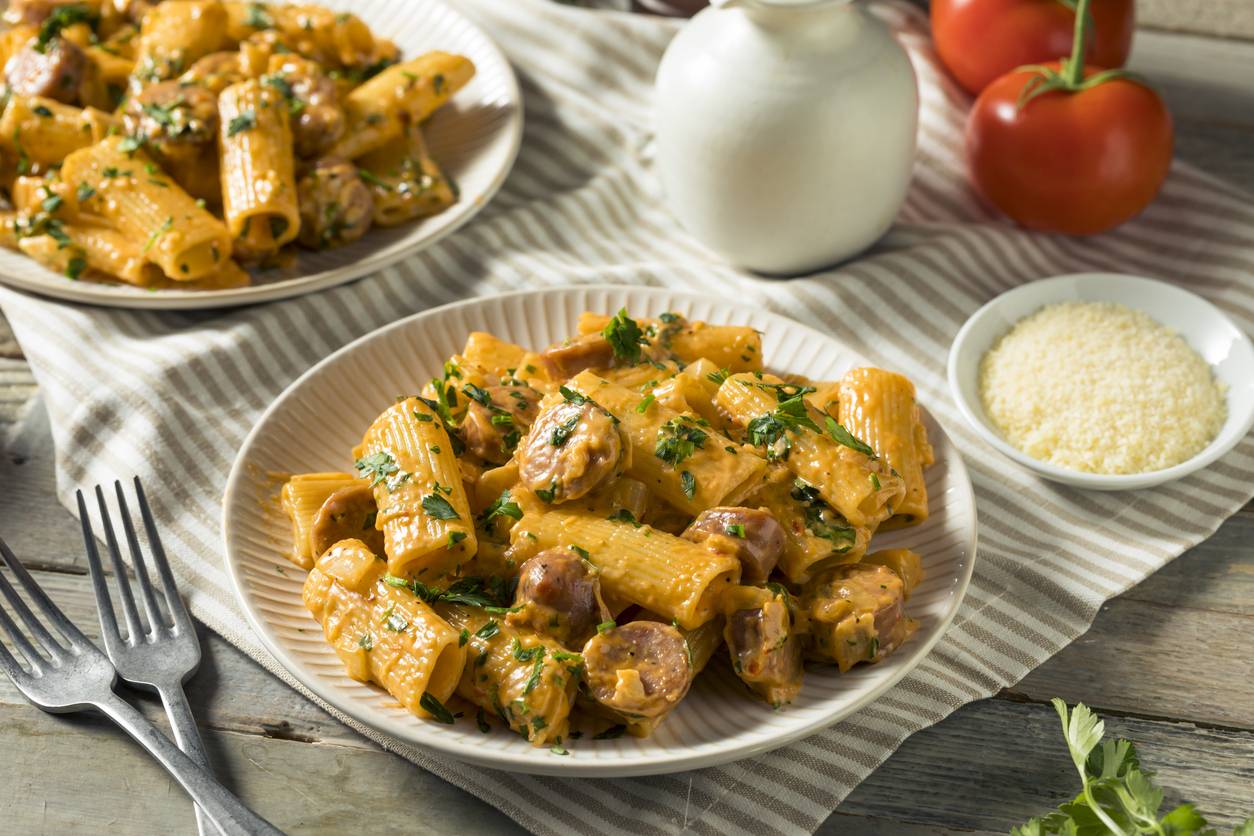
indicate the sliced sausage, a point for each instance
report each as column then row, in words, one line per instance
column 570, row 449
column 751, row 534
column 178, row 121
column 492, row 430
column 569, row 358
column 215, row 72
column 559, row 595
column 347, row 514
column 640, row 669
column 764, row 651
column 56, row 73
column 854, row 614
column 317, row 119
column 335, row 205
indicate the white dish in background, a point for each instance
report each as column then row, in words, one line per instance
column 1206, row 329
column 320, row 417
column 475, row 137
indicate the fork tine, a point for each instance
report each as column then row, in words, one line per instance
column 104, row 604
column 134, row 630
column 178, row 610
column 33, row 624
column 50, row 610
column 19, row 640
column 9, row 665
column 156, row 622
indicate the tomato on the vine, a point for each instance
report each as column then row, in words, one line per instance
column 980, row 40
column 1064, row 148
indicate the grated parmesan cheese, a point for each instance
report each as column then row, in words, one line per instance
column 1101, row 388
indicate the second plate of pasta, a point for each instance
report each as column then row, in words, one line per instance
column 674, row 478
column 205, row 153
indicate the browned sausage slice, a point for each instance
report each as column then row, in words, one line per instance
column 764, row 651
column 55, row 73
column 347, row 514
column 855, row 614
column 497, row 418
column 571, row 448
column 335, row 205
column 570, row 357
column 317, row 120
column 751, row 534
column 179, row 121
column 560, row 595
column 640, row 669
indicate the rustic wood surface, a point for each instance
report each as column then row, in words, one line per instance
column 1168, row 664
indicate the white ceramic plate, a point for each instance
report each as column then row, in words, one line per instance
column 314, row 424
column 475, row 137
column 1207, row 329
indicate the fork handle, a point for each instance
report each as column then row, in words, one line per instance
column 187, row 736
column 227, row 811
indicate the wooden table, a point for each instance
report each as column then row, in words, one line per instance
column 1169, row 665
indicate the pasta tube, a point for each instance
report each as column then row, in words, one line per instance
column 405, row 182
column 526, row 679
column 423, row 509
column 44, row 131
column 258, row 169
column 177, row 33
column 383, row 633
column 880, row 408
column 301, row 497
column 816, row 536
column 845, row 471
column 672, row 577
column 405, row 93
column 737, row 348
column 677, row 456
column 179, row 236
column 907, row 564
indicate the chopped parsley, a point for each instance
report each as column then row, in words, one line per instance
column 439, row 507
column 688, row 484
column 624, row 336
column 843, row 436
column 245, row 121
column 488, row 630
column 719, row 377
column 645, row 403
column 821, row 519
column 158, row 232
column 435, row 708
column 84, row 193
column 606, row 626
column 581, row 551
column 258, row 17
column 502, row 506
column 770, row 430
column 548, row 494
column 376, row 467
column 394, row 621
column 736, row 530
column 75, row 267
column 62, row 18
column 52, row 204
column 562, row 432
column 463, row 637
column 366, row 642
column 622, row 515
column 678, row 439
column 40, row 110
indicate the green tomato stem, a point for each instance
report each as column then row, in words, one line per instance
column 1073, row 68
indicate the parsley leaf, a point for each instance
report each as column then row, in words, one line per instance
column 678, row 439
column 771, row 430
column 688, row 484
column 245, row 121
column 622, row 515
column 502, row 506
column 61, row 18
column 624, row 336
column 435, row 708
column 376, row 467
column 843, row 436
column 439, row 507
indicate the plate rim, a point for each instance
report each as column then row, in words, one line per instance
column 959, row 350
column 644, row 765
column 136, row 298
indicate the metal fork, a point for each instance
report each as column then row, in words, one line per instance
column 71, row 674
column 163, row 656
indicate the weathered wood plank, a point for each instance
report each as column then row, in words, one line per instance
column 995, row 763
column 1157, row 660
column 80, row 774
column 1222, row 18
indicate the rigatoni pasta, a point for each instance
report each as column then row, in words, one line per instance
column 292, row 125
column 601, row 520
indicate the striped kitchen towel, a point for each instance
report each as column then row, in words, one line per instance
column 165, row 394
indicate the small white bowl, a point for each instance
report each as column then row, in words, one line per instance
column 1207, row 329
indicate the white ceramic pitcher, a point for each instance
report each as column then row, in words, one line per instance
column 785, row 130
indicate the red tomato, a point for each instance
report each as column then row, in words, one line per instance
column 981, row 40
column 1074, row 162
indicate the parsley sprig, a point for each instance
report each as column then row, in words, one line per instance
column 770, row 431
column 624, row 336
column 1116, row 795
column 678, row 439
